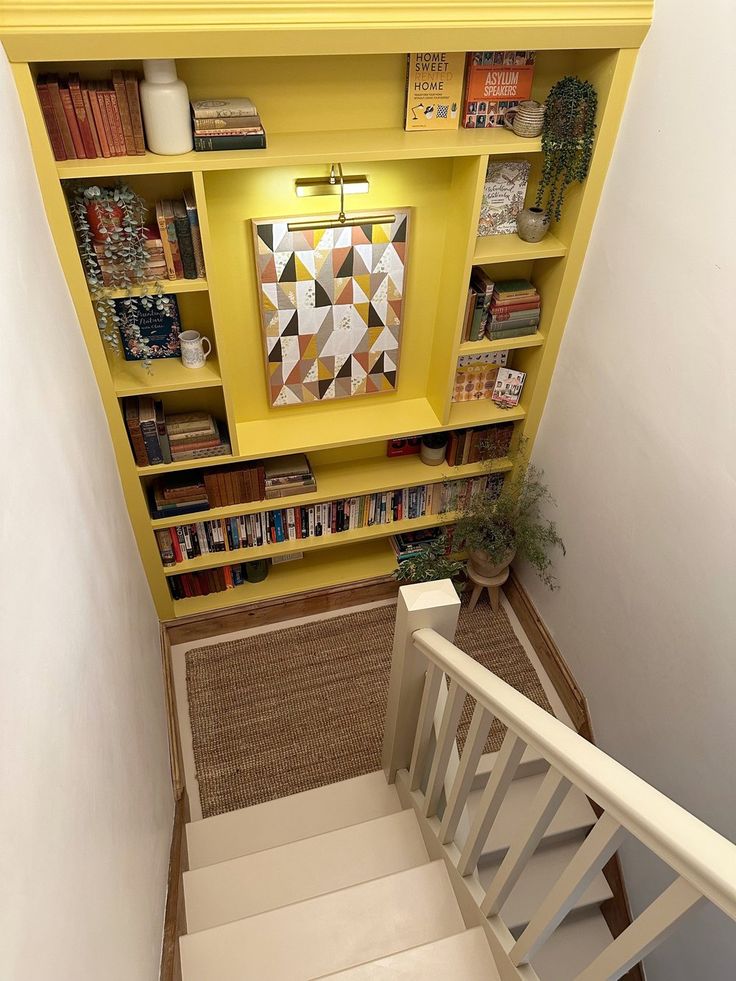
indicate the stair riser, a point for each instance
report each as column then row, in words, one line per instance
column 527, row 768
column 549, row 841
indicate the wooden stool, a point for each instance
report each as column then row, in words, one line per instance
column 492, row 584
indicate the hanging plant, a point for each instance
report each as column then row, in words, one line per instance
column 110, row 223
column 567, row 141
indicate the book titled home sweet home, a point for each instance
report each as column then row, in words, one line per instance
column 434, row 90
column 495, row 82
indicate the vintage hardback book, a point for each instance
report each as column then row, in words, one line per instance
column 503, row 196
column 191, row 206
column 184, row 238
column 434, row 90
column 158, row 328
column 495, row 82
column 223, row 108
column 253, row 141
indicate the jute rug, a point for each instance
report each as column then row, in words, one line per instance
column 298, row 708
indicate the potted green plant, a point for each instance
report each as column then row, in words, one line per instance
column 113, row 220
column 432, row 449
column 567, row 142
column 496, row 529
column 431, row 563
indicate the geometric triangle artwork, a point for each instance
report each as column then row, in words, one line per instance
column 331, row 308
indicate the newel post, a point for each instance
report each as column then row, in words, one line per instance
column 426, row 604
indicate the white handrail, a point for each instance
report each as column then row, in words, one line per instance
column 699, row 854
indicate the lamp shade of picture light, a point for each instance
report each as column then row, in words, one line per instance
column 313, row 187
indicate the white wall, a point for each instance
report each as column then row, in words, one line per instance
column 639, row 446
column 86, row 796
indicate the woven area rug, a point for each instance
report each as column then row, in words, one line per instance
column 282, row 712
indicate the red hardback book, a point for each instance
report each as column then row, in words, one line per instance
column 87, row 99
column 97, row 116
column 52, row 126
column 61, row 120
column 494, row 82
column 113, row 117
column 80, row 111
column 71, row 118
column 136, row 116
column 121, row 96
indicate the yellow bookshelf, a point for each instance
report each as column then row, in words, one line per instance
column 333, row 66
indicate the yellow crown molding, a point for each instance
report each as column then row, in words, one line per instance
column 34, row 30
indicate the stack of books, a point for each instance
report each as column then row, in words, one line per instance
column 478, row 304
column 413, row 543
column 482, row 443
column 157, row 438
column 86, row 120
column 515, row 309
column 227, row 124
column 177, row 495
column 287, row 476
column 237, row 484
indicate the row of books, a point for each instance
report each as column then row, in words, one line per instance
column 89, row 119
column 410, row 544
column 514, row 310
column 227, row 124
column 207, row 581
column 482, row 443
column 173, row 242
column 494, row 82
column 157, row 437
column 182, row 542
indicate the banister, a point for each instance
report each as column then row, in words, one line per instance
column 698, row 853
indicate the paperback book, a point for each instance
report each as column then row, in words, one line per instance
column 508, row 387
column 503, row 196
column 495, row 82
column 154, row 321
column 434, row 90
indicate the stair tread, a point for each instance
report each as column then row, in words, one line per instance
column 574, row 815
column 300, row 870
column 531, row 762
column 463, row 957
column 328, row 933
column 572, row 947
column 541, row 872
column 287, row 819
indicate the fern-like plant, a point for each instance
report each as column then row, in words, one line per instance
column 431, row 563
column 567, row 141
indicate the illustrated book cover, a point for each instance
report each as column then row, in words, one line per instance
column 507, row 390
column 159, row 329
column 495, row 82
column 434, row 90
column 503, row 196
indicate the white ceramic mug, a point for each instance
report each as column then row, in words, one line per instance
column 193, row 353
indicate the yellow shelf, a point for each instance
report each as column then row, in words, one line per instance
column 317, row 570
column 166, row 375
column 510, row 248
column 350, row 479
column 167, row 286
column 207, row 461
column 480, row 412
column 369, row 533
column 504, row 344
column 294, row 149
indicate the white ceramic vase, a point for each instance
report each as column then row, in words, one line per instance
column 165, row 107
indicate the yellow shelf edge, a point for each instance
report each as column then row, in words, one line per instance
column 131, row 378
column 216, row 559
column 151, row 289
column 486, row 346
column 207, row 461
column 330, row 476
column 510, row 248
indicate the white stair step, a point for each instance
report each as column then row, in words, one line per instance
column 464, row 957
column 573, row 945
column 574, row 816
column 531, row 762
column 302, row 869
column 328, row 933
column 542, row 871
column 313, row 812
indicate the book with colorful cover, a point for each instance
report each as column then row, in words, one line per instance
column 159, row 328
column 434, row 90
column 495, row 82
column 503, row 196
column 476, row 375
column 508, row 387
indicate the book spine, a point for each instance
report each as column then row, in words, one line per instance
column 52, row 127
column 517, row 315
column 173, row 242
column 121, row 97
column 186, row 248
column 71, row 119
column 100, row 114
column 231, row 131
column 136, row 116
column 227, row 123
column 116, row 123
column 193, row 219
column 215, row 112
column 85, row 132
column 136, row 436
column 150, row 438
column 165, row 547
column 163, row 231
column 60, row 116
column 223, row 449
column 501, row 308
column 87, row 99
column 254, row 142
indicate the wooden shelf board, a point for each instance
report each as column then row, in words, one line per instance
column 376, row 419
column 505, row 344
column 510, row 248
column 350, row 479
column 166, row 375
column 369, row 533
column 480, row 412
column 317, row 570
column 167, row 286
column 184, row 465
column 294, row 149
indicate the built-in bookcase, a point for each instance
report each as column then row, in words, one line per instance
column 320, row 106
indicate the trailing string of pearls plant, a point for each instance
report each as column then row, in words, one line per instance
column 117, row 218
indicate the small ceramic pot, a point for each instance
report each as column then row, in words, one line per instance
column 526, row 119
column 479, row 562
column 532, row 224
column 433, row 449
column 256, row 571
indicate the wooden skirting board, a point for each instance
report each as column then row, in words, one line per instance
column 175, row 914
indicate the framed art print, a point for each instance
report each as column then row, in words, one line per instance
column 331, row 305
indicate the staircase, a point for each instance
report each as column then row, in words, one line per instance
column 462, row 867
